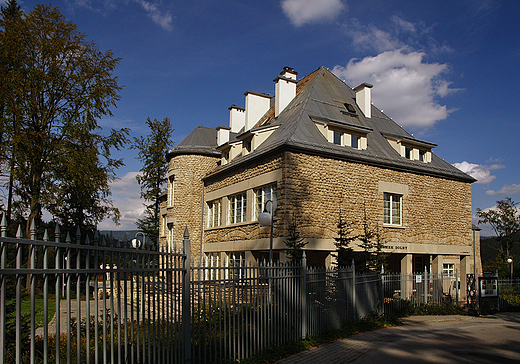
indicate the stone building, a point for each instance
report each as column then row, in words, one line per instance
column 318, row 149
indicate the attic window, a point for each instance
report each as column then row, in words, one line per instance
column 350, row 108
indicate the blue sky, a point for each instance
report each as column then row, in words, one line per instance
column 445, row 70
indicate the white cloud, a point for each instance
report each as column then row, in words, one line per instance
column 125, row 195
column 405, row 86
column 482, row 173
column 505, row 190
column 162, row 19
column 302, row 12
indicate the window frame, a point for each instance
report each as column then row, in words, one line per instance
column 235, row 207
column 389, row 207
column 260, row 199
column 215, row 213
column 171, row 191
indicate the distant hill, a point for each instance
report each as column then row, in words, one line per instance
column 120, row 234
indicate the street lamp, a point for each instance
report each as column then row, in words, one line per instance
column 136, row 243
column 266, row 219
column 510, row 261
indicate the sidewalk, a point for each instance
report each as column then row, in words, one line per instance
column 349, row 349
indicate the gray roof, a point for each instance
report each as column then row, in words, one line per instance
column 322, row 96
column 202, row 140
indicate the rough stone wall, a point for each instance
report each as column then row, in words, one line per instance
column 435, row 211
column 316, row 189
column 248, row 230
column 186, row 210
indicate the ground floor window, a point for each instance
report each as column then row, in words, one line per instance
column 448, row 269
column 237, row 262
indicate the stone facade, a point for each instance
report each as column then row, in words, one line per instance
column 314, row 189
column 187, row 172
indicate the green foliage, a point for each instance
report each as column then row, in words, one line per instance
column 505, row 221
column 343, row 242
column 154, row 171
column 372, row 243
column 294, row 242
column 54, row 86
column 422, row 309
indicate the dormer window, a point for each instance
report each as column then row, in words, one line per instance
column 343, row 134
column 411, row 148
column 337, row 138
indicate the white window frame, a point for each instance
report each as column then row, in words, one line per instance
column 263, row 194
column 392, row 202
column 448, row 269
column 171, row 190
column 214, row 213
column 238, row 208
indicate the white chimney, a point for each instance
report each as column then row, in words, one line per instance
column 364, row 98
column 237, row 118
column 257, row 104
column 222, row 135
column 285, row 89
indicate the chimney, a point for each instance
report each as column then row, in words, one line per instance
column 237, row 118
column 285, row 89
column 222, row 135
column 257, row 104
column 364, row 98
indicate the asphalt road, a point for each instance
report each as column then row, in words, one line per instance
column 426, row 339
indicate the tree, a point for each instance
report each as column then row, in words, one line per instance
column 84, row 170
column 61, row 83
column 343, row 242
column 372, row 242
column 505, row 221
column 154, row 171
column 294, row 242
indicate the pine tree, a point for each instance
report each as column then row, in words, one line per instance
column 343, row 242
column 294, row 242
column 154, row 172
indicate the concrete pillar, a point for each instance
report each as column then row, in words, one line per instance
column 406, row 269
column 438, row 285
column 330, row 260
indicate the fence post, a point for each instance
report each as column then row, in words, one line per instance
column 354, row 303
column 303, row 292
column 457, row 287
column 426, row 285
column 186, row 316
column 3, row 262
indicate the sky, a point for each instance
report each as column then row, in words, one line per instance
column 447, row 71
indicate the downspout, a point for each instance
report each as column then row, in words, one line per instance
column 201, row 223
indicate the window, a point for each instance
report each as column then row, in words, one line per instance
column 262, row 195
column 237, row 208
column 448, row 269
column 408, row 153
column 337, row 137
column 214, row 213
column 422, row 156
column 355, row 142
column 392, row 209
column 163, row 225
column 171, row 190
column 237, row 262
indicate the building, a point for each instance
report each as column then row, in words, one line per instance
column 317, row 148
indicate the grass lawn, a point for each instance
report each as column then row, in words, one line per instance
column 26, row 308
